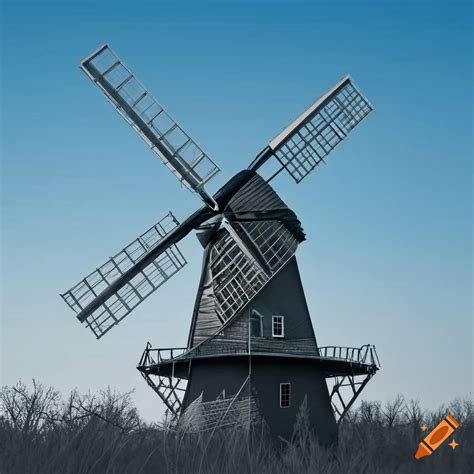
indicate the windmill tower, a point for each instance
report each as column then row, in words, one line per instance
column 251, row 354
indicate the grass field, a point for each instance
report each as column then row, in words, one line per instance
column 41, row 432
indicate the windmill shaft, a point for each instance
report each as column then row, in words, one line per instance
column 261, row 159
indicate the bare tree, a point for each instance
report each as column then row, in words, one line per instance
column 370, row 412
column 462, row 409
column 111, row 407
column 414, row 415
column 392, row 411
column 30, row 411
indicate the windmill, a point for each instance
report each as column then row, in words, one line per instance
column 251, row 354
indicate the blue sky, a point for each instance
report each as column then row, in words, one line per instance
column 388, row 258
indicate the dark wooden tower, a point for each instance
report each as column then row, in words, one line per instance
column 252, row 354
column 251, row 343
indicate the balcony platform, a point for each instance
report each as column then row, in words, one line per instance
column 335, row 361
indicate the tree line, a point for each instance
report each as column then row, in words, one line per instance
column 43, row 432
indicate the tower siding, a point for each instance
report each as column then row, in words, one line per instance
column 282, row 296
column 211, row 376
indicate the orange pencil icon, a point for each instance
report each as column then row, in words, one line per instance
column 437, row 436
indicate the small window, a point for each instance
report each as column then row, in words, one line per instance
column 285, row 395
column 278, row 326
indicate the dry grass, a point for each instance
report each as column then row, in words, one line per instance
column 42, row 433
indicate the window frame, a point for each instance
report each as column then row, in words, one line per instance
column 289, row 394
column 274, row 317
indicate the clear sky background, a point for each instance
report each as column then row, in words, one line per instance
column 388, row 259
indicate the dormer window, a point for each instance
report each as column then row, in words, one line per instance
column 278, row 326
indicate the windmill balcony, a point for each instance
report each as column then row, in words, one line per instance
column 335, row 360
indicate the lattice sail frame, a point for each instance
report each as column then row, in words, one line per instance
column 236, row 276
column 177, row 150
column 305, row 143
column 120, row 304
column 273, row 240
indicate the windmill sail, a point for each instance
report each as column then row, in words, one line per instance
column 121, row 302
column 186, row 160
column 305, row 143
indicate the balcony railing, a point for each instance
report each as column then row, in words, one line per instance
column 365, row 355
column 153, row 356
